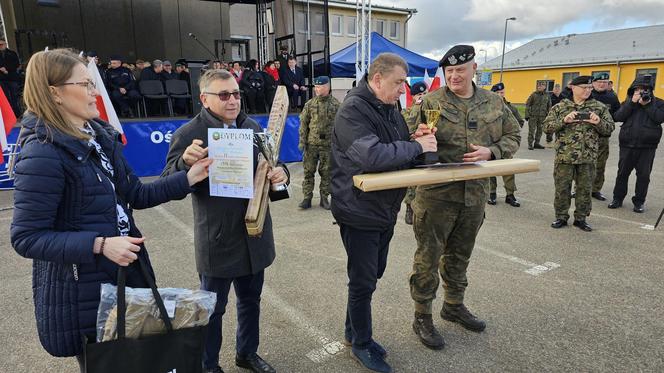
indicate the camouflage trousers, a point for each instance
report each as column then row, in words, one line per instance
column 410, row 196
column 445, row 234
column 316, row 157
column 535, row 125
column 600, row 164
column 563, row 176
column 508, row 183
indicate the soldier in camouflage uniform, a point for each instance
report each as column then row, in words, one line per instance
column 602, row 94
column 577, row 146
column 508, row 180
column 417, row 91
column 537, row 107
column 316, row 123
column 474, row 125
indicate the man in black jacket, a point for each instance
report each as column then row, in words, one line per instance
column 225, row 254
column 9, row 78
column 122, row 87
column 370, row 136
column 642, row 115
column 292, row 77
column 602, row 94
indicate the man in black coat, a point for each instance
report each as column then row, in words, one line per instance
column 642, row 115
column 370, row 135
column 122, row 87
column 292, row 77
column 225, row 254
column 602, row 94
column 9, row 78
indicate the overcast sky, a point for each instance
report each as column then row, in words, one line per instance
column 440, row 24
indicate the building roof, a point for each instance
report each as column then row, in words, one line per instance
column 595, row 48
column 352, row 5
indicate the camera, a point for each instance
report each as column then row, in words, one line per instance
column 583, row 115
column 646, row 92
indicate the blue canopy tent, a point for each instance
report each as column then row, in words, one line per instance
column 343, row 62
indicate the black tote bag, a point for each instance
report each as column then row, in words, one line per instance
column 176, row 351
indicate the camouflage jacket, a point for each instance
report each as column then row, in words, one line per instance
column 409, row 112
column 317, row 121
column 482, row 120
column 538, row 105
column 578, row 142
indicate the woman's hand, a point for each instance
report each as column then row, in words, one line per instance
column 199, row 171
column 120, row 249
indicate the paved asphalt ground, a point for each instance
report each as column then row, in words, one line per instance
column 554, row 300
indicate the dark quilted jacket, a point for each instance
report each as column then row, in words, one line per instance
column 63, row 200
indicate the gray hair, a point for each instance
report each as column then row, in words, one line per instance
column 385, row 63
column 211, row 75
column 556, row 86
column 156, row 63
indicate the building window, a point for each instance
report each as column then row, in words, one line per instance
column 302, row 22
column 350, row 31
column 549, row 84
column 379, row 26
column 337, row 25
column 653, row 72
column 319, row 25
column 394, row 30
column 567, row 77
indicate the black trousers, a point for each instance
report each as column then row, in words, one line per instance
column 367, row 259
column 637, row 159
column 248, row 293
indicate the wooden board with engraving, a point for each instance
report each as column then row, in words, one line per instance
column 429, row 176
column 257, row 208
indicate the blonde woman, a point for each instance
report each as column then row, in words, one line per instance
column 74, row 198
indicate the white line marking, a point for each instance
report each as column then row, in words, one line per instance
column 328, row 349
column 533, row 268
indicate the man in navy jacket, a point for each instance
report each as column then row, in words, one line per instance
column 293, row 78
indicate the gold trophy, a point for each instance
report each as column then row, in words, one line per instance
column 432, row 116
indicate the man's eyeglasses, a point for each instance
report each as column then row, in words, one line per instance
column 90, row 85
column 225, row 96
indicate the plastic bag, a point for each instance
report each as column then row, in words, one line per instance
column 186, row 308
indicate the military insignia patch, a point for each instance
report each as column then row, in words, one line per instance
column 452, row 60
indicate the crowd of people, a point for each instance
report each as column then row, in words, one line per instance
column 75, row 194
column 258, row 84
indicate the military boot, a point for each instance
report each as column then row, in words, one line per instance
column 324, row 202
column 305, row 204
column 492, row 199
column 429, row 336
column 459, row 313
column 409, row 214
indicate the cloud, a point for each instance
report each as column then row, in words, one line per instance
column 439, row 24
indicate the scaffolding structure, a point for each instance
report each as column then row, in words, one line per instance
column 362, row 38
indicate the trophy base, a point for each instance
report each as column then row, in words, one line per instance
column 278, row 192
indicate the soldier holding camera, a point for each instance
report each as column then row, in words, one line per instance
column 642, row 115
column 578, row 124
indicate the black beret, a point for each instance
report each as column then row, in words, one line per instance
column 582, row 79
column 417, row 88
column 91, row 54
column 497, row 87
column 116, row 57
column 458, row 55
column 601, row 76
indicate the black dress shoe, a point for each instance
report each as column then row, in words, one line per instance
column 512, row 201
column 492, row 199
column 615, row 204
column 581, row 224
column 538, row 146
column 254, row 363
column 639, row 208
column 599, row 196
column 559, row 223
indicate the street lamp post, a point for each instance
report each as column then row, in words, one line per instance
column 484, row 50
column 502, row 59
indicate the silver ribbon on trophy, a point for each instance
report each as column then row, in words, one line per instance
column 267, row 147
